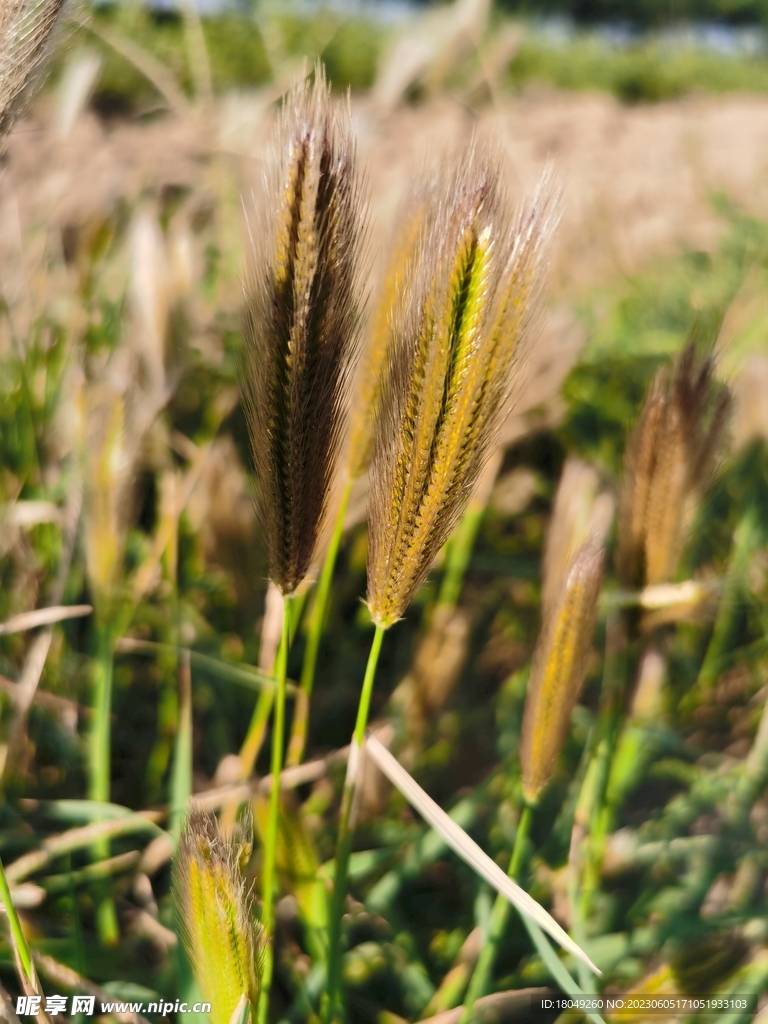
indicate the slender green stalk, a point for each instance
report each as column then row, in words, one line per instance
column 604, row 739
column 745, row 541
column 458, row 554
column 19, row 942
column 298, row 741
column 99, row 767
column 270, row 839
column 481, row 976
column 181, row 772
column 331, row 1010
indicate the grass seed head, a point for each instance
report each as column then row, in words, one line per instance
column 669, row 459
column 579, row 514
column 217, row 913
column 559, row 668
column 392, row 290
column 25, row 31
column 301, row 324
column 461, row 310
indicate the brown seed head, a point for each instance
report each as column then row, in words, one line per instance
column 221, row 935
column 669, row 458
column 456, row 327
column 25, row 30
column 301, row 324
column 559, row 667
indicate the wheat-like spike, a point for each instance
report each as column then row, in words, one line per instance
column 558, row 669
column 301, row 324
column 669, row 457
column 216, row 909
column 465, row 302
column 368, row 380
column 25, row 30
column 570, row 526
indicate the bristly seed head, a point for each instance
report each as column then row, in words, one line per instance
column 221, row 935
column 301, row 324
column 25, row 31
column 669, row 458
column 559, row 668
column 460, row 311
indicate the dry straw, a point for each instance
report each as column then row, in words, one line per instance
column 472, row 281
column 669, row 458
column 217, row 914
column 25, row 31
column 301, row 324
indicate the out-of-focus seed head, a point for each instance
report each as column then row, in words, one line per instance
column 301, row 324
column 559, row 668
column 219, row 929
column 456, row 329
column 669, row 458
column 579, row 513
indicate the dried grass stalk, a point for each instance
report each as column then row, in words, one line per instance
column 301, row 324
column 217, row 913
column 456, row 328
column 25, row 30
column 669, row 459
column 558, row 669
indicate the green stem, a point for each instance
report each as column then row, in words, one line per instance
column 270, row 839
column 481, row 976
column 298, row 741
column 458, row 555
column 99, row 769
column 331, row 1008
column 17, row 935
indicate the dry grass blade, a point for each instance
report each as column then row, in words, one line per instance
column 43, row 617
column 456, row 332
column 66, row 978
column 669, row 458
column 25, row 30
column 301, row 325
column 81, row 837
column 467, row 848
column 558, row 670
column 217, row 914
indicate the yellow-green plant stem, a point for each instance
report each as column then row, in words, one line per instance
column 481, row 976
column 331, row 1008
column 261, row 712
column 99, row 767
column 298, row 740
column 17, row 935
column 458, row 554
column 270, row 838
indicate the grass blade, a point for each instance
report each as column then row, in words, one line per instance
column 468, row 849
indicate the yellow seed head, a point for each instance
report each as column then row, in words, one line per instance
column 457, row 322
column 558, row 669
column 217, row 914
